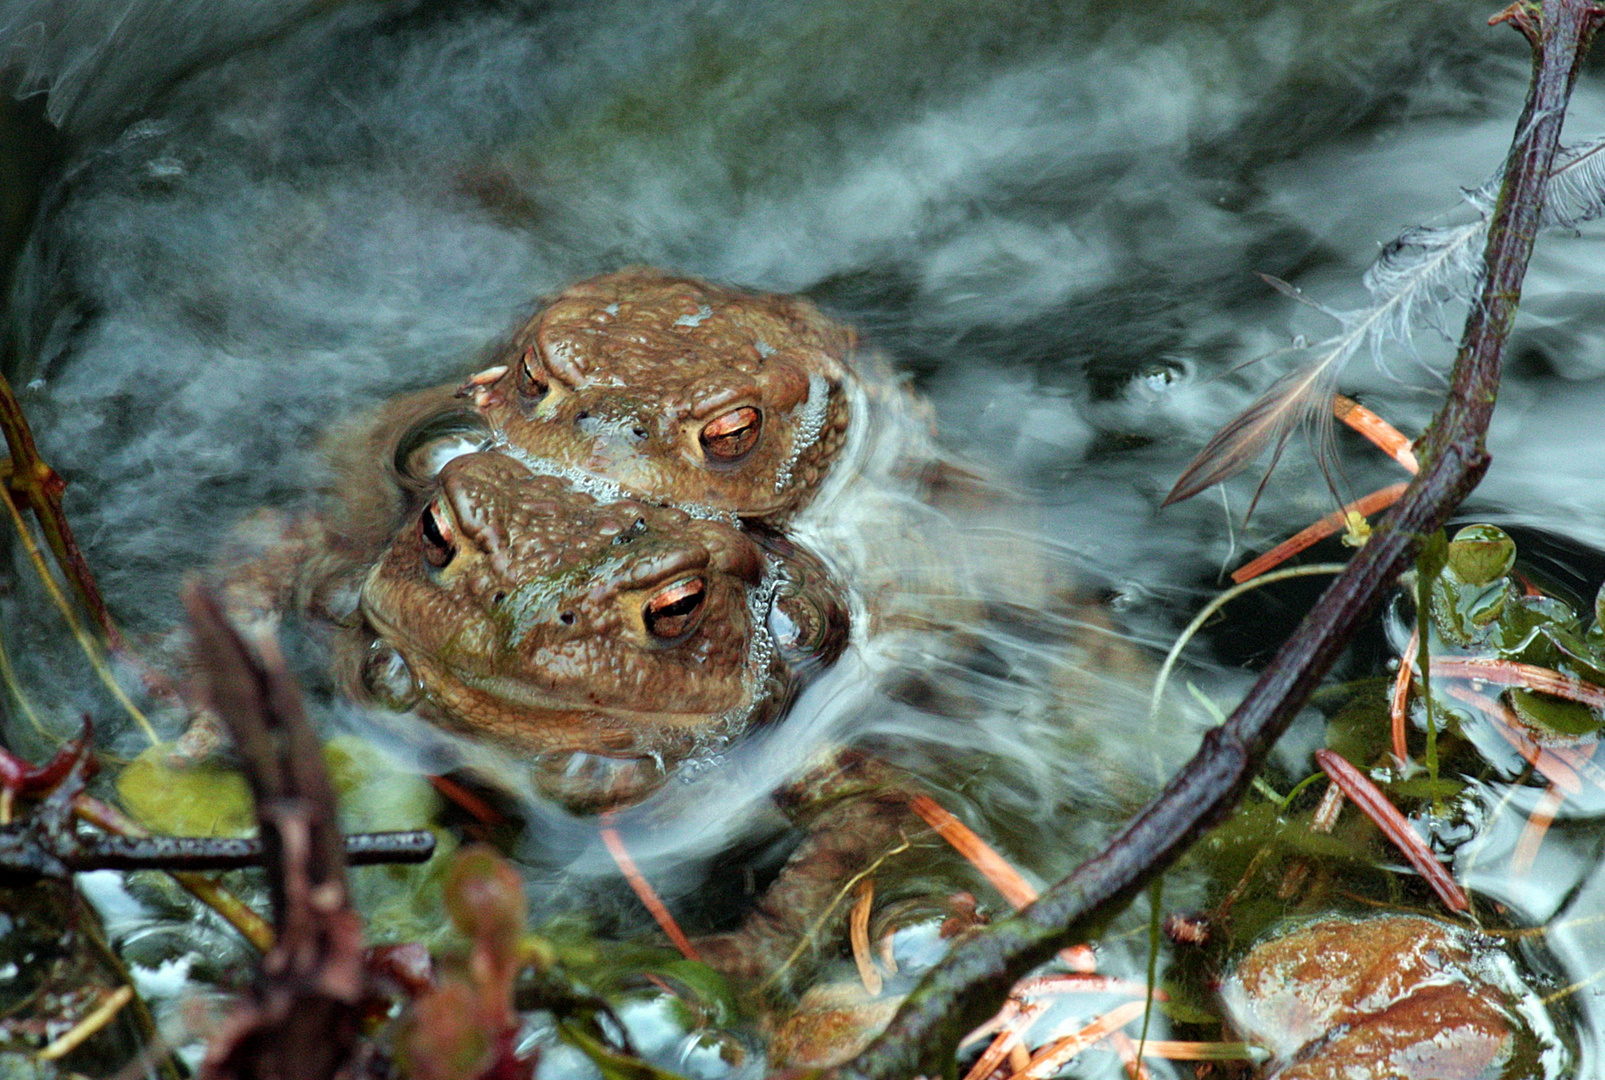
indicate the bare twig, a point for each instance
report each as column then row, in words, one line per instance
column 975, row 978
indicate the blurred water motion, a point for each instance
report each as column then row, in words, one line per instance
column 1050, row 214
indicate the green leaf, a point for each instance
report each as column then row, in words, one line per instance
column 193, row 800
column 609, row 1062
column 1554, row 714
column 707, row 987
column 1481, row 554
column 1586, row 660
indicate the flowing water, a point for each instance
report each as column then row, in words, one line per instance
column 252, row 223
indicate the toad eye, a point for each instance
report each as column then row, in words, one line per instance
column 437, row 537
column 533, row 381
column 674, row 612
column 729, row 438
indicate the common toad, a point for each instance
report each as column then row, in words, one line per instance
column 677, row 390
column 609, row 638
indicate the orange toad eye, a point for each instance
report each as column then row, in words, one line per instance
column 673, row 613
column 437, row 537
column 533, row 381
column 729, row 438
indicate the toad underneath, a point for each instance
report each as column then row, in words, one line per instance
column 603, row 641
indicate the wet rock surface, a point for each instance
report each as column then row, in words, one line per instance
column 1395, row 996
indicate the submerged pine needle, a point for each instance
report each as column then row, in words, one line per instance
column 1413, row 281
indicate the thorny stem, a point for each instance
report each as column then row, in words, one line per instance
column 176, row 854
column 41, row 487
column 975, row 978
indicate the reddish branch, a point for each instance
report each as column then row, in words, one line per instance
column 301, row 1020
column 975, row 978
column 41, row 487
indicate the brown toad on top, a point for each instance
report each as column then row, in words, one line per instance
column 677, row 390
column 518, row 607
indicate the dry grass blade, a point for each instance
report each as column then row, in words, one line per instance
column 1381, row 434
column 1176, row 1050
column 1042, row 986
column 466, row 800
column 1130, row 1055
column 1550, row 765
column 1364, row 794
column 811, row 936
column 1005, row 878
column 84, row 1029
column 1006, row 1042
column 91, row 648
column 858, row 934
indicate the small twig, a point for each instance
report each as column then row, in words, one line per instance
column 301, row 1022
column 207, row 853
column 234, row 911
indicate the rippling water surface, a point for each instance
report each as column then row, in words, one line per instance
column 1049, row 215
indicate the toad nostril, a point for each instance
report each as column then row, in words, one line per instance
column 567, row 618
column 638, row 432
column 498, row 598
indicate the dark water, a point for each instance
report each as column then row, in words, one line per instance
column 251, row 223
